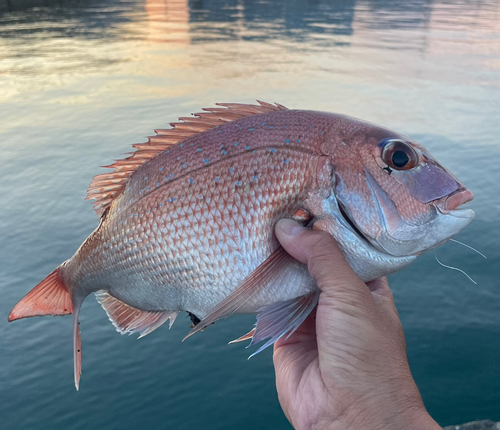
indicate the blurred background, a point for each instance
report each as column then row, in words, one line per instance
column 80, row 81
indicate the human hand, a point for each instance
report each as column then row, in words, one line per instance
column 346, row 366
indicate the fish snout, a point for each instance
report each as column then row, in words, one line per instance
column 458, row 198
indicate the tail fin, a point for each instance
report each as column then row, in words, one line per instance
column 52, row 297
column 49, row 297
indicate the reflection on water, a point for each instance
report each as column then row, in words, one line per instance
column 168, row 21
column 82, row 80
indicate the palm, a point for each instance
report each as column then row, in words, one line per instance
column 314, row 383
column 298, row 376
column 346, row 366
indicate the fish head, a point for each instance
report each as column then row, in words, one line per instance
column 395, row 194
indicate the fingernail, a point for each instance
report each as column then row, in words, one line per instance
column 289, row 227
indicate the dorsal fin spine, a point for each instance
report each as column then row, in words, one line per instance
column 107, row 186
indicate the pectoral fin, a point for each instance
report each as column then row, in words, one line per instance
column 263, row 276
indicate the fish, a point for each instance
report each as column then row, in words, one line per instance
column 186, row 223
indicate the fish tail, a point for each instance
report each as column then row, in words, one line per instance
column 49, row 297
column 53, row 297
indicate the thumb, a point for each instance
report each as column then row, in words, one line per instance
column 324, row 259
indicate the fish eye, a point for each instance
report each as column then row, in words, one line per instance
column 399, row 155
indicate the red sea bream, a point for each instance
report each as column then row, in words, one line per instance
column 186, row 222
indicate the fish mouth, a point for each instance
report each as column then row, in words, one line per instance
column 457, row 198
column 350, row 222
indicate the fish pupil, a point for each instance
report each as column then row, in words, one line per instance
column 400, row 159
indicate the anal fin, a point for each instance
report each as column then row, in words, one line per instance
column 276, row 320
column 128, row 320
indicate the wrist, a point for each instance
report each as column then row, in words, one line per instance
column 385, row 416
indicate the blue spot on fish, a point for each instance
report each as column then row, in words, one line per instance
column 231, row 170
column 251, row 129
column 263, row 123
column 191, row 180
column 285, row 161
column 174, row 199
column 247, row 147
column 287, row 140
column 322, row 133
column 235, row 143
column 182, row 145
column 147, row 211
column 224, row 152
column 206, row 160
column 298, row 140
column 178, row 158
column 147, row 188
column 161, row 168
column 216, row 179
column 273, row 150
column 157, row 184
column 238, row 183
column 184, row 165
column 198, row 150
column 160, row 205
column 271, row 127
column 255, row 178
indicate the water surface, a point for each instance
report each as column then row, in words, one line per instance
column 82, row 80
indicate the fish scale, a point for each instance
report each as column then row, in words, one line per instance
column 177, row 240
column 187, row 221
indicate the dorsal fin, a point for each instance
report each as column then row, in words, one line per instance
column 107, row 186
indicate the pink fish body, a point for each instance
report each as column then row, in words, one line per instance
column 186, row 222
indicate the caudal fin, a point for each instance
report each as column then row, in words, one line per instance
column 52, row 297
column 49, row 297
